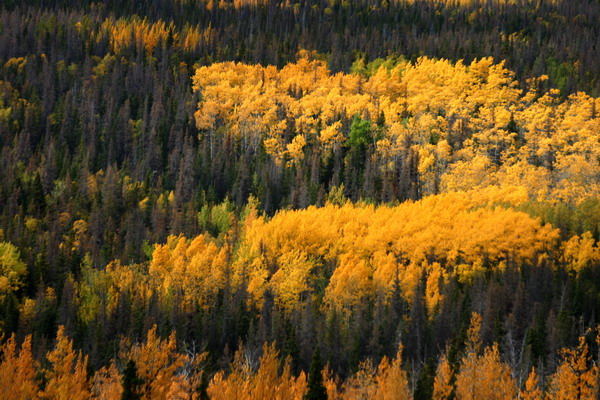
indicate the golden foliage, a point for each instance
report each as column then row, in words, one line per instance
column 366, row 248
column 268, row 382
column 123, row 33
column 575, row 378
column 480, row 376
column 484, row 377
column 581, row 252
column 167, row 374
column 387, row 381
column 12, row 269
column 67, row 376
column 532, row 390
column 158, row 362
column 18, row 371
column 470, row 125
column 442, row 384
column 392, row 380
column 196, row 268
column 107, row 383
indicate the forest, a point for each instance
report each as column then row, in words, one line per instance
column 293, row 199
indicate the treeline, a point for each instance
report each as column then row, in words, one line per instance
column 555, row 38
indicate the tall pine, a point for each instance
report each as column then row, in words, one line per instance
column 131, row 382
column 316, row 389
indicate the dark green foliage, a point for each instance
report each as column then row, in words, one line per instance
column 424, row 388
column 316, row 389
column 360, row 133
column 570, row 218
column 131, row 382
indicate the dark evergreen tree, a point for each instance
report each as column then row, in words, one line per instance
column 316, row 389
column 131, row 382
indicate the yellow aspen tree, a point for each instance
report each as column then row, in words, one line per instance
column 18, row 371
column 581, row 252
column 498, row 382
column 532, row 390
column 362, row 384
column 106, row 383
column 12, row 269
column 363, row 244
column 264, row 382
column 193, row 374
column 236, row 384
column 331, row 384
column 392, row 380
column 442, row 384
column 485, row 377
column 468, row 376
column 157, row 363
column 433, row 297
column 224, row 387
column 478, row 101
column 474, row 334
column 575, row 377
column 268, row 382
column 67, row 376
column 295, row 149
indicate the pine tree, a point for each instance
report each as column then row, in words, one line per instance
column 316, row 389
column 131, row 382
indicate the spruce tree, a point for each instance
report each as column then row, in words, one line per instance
column 131, row 382
column 316, row 389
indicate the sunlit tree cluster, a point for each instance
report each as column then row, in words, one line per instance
column 153, row 369
column 365, row 251
column 467, row 125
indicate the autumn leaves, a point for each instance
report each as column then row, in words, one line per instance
column 155, row 370
column 363, row 252
column 152, row 369
column 467, row 125
column 346, row 255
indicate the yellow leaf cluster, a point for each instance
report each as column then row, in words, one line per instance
column 196, row 268
column 67, row 376
column 480, row 375
column 18, row 371
column 581, row 252
column 485, row 377
column 148, row 35
column 12, row 269
column 158, row 364
column 387, row 381
column 574, row 377
column 267, row 382
column 366, row 249
column 470, row 124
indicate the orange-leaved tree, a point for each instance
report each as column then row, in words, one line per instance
column 18, row 371
column 66, row 378
column 576, row 378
